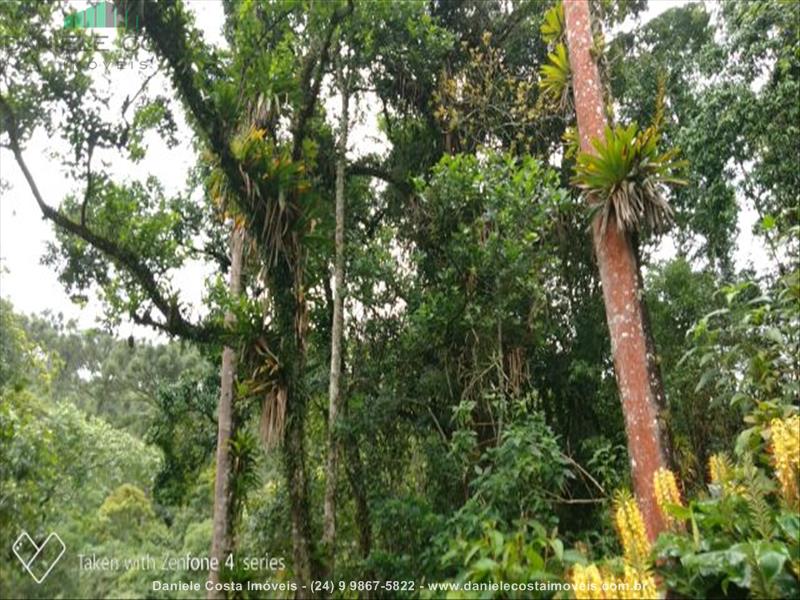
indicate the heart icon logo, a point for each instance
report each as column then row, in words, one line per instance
column 38, row 560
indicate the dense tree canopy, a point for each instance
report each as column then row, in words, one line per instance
column 476, row 424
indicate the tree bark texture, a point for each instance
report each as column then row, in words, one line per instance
column 337, row 332
column 221, row 536
column 637, row 374
column 290, row 320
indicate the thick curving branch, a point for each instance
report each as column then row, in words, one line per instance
column 174, row 323
column 366, row 168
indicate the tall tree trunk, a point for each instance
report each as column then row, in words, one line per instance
column 304, row 564
column 632, row 347
column 221, row 537
column 290, row 321
column 355, row 475
column 337, row 331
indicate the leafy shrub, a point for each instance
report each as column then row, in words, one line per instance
column 506, row 531
column 743, row 537
column 529, row 558
column 748, row 351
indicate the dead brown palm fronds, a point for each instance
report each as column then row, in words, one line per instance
column 273, row 416
column 265, row 382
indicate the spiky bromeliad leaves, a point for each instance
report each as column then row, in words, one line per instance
column 556, row 78
column 552, row 28
column 627, row 176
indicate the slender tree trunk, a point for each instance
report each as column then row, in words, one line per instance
column 221, row 537
column 632, row 347
column 355, row 475
column 337, row 331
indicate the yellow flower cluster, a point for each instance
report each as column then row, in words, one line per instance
column 591, row 583
column 719, row 469
column 722, row 475
column 630, row 527
column 587, row 582
column 666, row 491
column 786, row 457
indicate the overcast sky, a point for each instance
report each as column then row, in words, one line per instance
column 32, row 287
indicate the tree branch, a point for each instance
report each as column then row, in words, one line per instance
column 309, row 88
column 174, row 323
column 368, row 169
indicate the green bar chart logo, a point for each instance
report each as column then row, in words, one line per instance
column 102, row 15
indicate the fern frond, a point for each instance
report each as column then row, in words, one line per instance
column 756, row 488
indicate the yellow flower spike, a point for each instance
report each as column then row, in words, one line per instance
column 718, row 469
column 721, row 474
column 630, row 582
column 666, row 492
column 786, row 457
column 587, row 583
column 638, row 584
column 630, row 527
column 578, row 581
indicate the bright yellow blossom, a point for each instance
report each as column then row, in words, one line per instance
column 666, row 492
column 630, row 527
column 587, row 583
column 591, row 583
column 786, row 457
column 719, row 469
column 721, row 473
column 638, row 584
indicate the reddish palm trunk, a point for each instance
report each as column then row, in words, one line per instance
column 631, row 346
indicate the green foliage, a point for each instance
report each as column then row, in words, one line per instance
column 126, row 511
column 21, row 364
column 146, row 223
column 489, row 102
column 626, row 176
column 506, row 531
column 739, row 541
column 701, row 422
column 522, row 477
column 556, row 78
column 749, row 58
column 118, row 380
column 748, row 351
column 528, row 559
column 185, row 432
column 741, row 537
column 553, row 28
column 65, row 470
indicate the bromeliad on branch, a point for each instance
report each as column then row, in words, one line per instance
column 626, row 177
